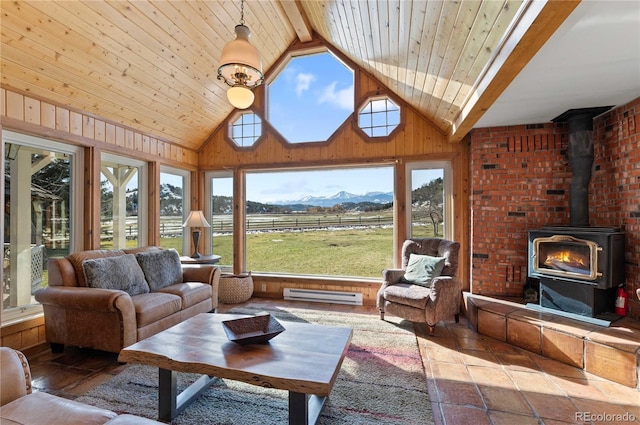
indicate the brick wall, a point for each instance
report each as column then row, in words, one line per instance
column 520, row 179
column 615, row 185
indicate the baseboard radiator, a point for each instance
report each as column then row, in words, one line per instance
column 319, row 296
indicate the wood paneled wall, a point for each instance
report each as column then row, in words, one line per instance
column 24, row 113
column 416, row 139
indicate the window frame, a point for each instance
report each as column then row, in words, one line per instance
column 143, row 185
column 208, row 235
column 281, row 66
column 229, row 134
column 186, row 199
column 76, row 206
column 448, row 213
column 368, row 99
column 319, row 167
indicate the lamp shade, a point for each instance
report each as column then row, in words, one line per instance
column 240, row 62
column 240, row 97
column 196, row 219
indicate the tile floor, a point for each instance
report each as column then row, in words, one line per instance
column 471, row 378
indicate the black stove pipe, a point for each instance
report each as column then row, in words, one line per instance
column 580, row 123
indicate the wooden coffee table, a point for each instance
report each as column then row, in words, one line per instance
column 304, row 359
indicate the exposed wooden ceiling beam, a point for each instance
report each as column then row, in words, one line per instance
column 529, row 33
column 298, row 18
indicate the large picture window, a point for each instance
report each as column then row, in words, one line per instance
column 330, row 222
column 42, row 218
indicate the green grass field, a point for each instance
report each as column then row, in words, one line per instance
column 353, row 252
column 357, row 251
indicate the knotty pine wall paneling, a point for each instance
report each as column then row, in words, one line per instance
column 416, row 139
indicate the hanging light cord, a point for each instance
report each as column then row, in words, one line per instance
column 241, row 12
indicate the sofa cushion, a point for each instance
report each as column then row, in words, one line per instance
column 77, row 258
column 422, row 269
column 121, row 273
column 161, row 268
column 191, row 293
column 415, row 296
column 39, row 408
column 154, row 306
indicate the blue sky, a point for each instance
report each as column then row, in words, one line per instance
column 294, row 185
column 311, row 97
column 309, row 100
column 273, row 187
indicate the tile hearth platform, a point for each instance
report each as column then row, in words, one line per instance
column 611, row 352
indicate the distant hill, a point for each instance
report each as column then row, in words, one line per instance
column 171, row 202
column 341, row 198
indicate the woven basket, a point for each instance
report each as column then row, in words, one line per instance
column 235, row 289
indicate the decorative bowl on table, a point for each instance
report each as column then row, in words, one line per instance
column 252, row 330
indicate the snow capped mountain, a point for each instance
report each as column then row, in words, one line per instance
column 171, row 199
column 341, row 197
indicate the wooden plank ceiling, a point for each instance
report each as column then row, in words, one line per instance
column 151, row 65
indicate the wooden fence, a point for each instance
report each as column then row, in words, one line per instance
column 172, row 226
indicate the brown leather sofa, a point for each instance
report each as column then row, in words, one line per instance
column 78, row 314
column 19, row 405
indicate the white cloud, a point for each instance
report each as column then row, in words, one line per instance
column 303, row 81
column 342, row 98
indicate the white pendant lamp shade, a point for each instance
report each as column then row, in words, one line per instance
column 240, row 97
column 240, row 68
column 240, row 62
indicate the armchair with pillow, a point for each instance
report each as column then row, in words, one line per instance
column 426, row 289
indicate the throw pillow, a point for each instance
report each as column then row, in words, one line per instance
column 122, row 272
column 421, row 269
column 161, row 268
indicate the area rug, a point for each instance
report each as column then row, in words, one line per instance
column 382, row 381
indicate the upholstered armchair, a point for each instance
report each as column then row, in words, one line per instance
column 425, row 303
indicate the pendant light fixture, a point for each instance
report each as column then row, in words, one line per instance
column 241, row 66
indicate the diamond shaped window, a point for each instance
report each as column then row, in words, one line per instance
column 379, row 117
column 311, row 96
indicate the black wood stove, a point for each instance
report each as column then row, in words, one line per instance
column 579, row 266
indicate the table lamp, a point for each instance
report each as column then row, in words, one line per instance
column 196, row 220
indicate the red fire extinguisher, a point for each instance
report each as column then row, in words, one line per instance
column 621, row 301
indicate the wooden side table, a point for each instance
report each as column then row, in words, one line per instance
column 204, row 259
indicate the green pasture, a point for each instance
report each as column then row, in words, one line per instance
column 346, row 251
column 353, row 252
